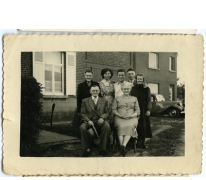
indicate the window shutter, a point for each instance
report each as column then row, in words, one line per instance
column 71, row 73
column 150, row 60
column 38, row 68
column 157, row 60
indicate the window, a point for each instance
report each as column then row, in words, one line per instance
column 153, row 60
column 49, row 69
column 171, row 63
column 153, row 88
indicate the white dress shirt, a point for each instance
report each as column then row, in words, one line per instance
column 95, row 100
column 117, row 88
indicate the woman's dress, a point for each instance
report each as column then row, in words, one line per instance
column 143, row 96
column 126, row 105
column 107, row 91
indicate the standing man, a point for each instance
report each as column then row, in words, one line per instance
column 94, row 113
column 121, row 81
column 131, row 76
column 83, row 90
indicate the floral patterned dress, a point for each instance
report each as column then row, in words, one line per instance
column 107, row 92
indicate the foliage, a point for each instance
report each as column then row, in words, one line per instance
column 76, row 122
column 181, row 91
column 31, row 109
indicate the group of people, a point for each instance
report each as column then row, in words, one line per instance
column 124, row 105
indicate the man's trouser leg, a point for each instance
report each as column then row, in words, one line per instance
column 105, row 134
column 85, row 136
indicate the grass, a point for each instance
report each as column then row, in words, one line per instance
column 168, row 142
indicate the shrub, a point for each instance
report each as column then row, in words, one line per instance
column 31, row 109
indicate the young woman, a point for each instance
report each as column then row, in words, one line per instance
column 107, row 86
column 143, row 96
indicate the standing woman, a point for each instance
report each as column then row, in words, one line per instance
column 107, row 86
column 143, row 96
column 107, row 92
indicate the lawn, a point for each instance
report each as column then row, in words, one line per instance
column 168, row 140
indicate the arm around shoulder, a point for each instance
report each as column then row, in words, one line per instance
column 149, row 103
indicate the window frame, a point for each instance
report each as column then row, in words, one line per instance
column 53, row 93
column 157, row 67
column 158, row 88
column 170, row 64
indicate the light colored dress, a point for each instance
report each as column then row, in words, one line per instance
column 126, row 105
column 107, row 91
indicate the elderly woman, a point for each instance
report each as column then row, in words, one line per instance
column 143, row 95
column 126, row 110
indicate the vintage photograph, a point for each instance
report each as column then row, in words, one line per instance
column 101, row 104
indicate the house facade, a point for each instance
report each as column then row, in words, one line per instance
column 61, row 72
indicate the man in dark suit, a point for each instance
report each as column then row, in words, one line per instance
column 131, row 76
column 94, row 112
column 83, row 89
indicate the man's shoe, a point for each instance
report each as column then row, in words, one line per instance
column 103, row 153
column 86, row 153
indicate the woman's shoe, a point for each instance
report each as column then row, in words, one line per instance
column 139, row 144
column 123, row 151
column 144, row 146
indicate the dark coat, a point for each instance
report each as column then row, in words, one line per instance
column 88, row 109
column 143, row 96
column 83, row 92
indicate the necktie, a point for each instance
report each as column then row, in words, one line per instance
column 95, row 101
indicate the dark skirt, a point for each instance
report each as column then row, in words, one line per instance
column 144, row 127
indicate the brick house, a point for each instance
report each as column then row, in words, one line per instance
column 55, row 69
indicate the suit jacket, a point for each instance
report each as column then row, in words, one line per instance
column 87, row 109
column 83, row 92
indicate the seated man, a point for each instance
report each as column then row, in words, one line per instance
column 94, row 112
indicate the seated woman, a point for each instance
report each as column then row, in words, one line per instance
column 126, row 110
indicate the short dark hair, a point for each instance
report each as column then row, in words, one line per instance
column 88, row 71
column 121, row 70
column 130, row 69
column 105, row 70
column 93, row 86
column 139, row 74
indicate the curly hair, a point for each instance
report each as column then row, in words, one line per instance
column 105, row 70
